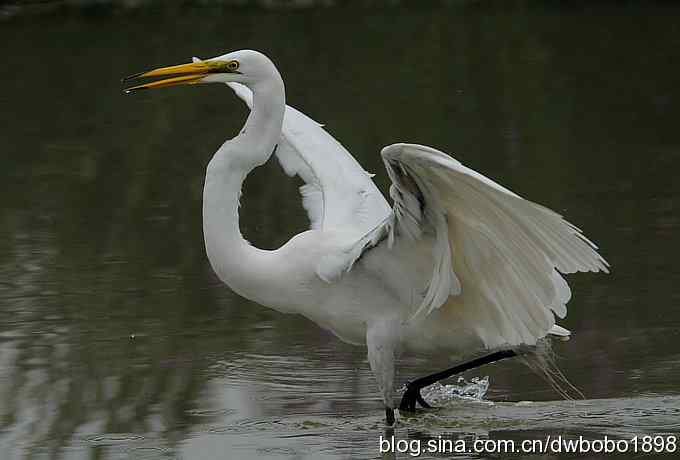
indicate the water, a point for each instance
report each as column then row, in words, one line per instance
column 118, row 342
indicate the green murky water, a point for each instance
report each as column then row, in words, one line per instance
column 118, row 342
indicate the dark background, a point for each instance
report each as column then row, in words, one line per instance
column 117, row 340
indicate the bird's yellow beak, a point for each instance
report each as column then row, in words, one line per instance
column 183, row 74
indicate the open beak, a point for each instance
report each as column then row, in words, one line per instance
column 183, row 74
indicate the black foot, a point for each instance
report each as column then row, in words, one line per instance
column 412, row 394
column 411, row 397
column 389, row 416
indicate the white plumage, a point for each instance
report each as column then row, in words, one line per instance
column 458, row 265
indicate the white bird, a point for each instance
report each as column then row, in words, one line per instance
column 458, row 265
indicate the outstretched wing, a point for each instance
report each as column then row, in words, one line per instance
column 338, row 193
column 496, row 257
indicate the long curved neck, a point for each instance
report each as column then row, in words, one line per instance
column 236, row 262
column 262, row 129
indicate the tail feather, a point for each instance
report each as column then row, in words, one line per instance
column 541, row 359
column 560, row 332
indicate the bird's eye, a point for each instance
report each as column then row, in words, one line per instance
column 232, row 65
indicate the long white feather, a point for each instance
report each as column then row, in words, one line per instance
column 339, row 193
column 496, row 257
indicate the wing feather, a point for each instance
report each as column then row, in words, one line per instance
column 497, row 258
column 338, row 193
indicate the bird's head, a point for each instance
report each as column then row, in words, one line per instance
column 246, row 66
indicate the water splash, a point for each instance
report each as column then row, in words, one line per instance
column 473, row 390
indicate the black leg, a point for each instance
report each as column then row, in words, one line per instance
column 412, row 394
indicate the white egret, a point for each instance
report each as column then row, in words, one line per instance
column 458, row 265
